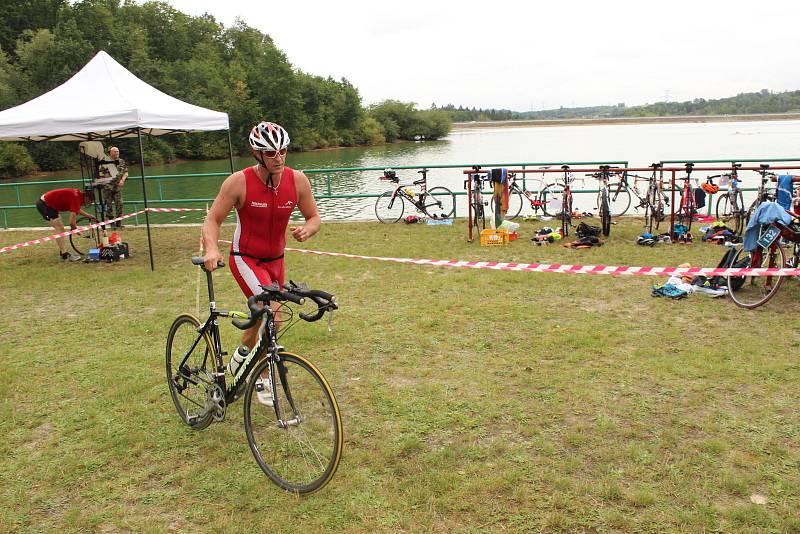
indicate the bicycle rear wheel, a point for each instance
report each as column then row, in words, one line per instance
column 753, row 291
column 389, row 207
column 302, row 454
column 188, row 381
column 85, row 239
column 440, row 203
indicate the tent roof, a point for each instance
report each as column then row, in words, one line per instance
column 104, row 100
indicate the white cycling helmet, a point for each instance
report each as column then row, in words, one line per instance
column 269, row 136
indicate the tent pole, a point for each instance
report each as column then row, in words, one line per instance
column 144, row 195
column 230, row 149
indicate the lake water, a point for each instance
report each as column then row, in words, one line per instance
column 639, row 144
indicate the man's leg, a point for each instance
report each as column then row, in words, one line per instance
column 117, row 202
column 106, row 200
column 59, row 226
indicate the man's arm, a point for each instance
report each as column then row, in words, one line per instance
column 308, row 207
column 230, row 193
column 92, row 217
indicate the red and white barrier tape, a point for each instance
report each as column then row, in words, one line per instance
column 495, row 266
column 570, row 269
column 91, row 226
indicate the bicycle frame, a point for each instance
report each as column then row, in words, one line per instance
column 267, row 344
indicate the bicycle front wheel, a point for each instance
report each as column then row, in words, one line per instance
column 188, row 355
column 729, row 210
column 753, row 291
column 686, row 211
column 83, row 240
column 440, row 203
column 389, row 207
column 566, row 214
column 605, row 214
column 548, row 194
column 297, row 442
column 479, row 215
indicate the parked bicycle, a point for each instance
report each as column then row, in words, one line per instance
column 296, row 437
column 653, row 200
column 560, row 194
column 764, row 193
column 687, row 207
column 477, row 203
column 754, row 291
column 730, row 204
column 436, row 203
column 603, row 198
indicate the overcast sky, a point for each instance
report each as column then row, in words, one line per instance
column 532, row 55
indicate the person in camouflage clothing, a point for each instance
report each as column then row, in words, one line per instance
column 112, row 190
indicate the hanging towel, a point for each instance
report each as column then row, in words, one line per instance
column 784, row 196
column 766, row 213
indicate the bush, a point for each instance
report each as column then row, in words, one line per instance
column 54, row 156
column 15, row 160
column 370, row 132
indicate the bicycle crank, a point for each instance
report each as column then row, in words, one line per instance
column 215, row 402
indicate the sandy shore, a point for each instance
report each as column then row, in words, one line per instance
column 629, row 120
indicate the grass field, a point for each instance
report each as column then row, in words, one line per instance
column 473, row 400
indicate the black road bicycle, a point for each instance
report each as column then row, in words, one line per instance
column 477, row 203
column 603, row 198
column 436, row 202
column 296, row 438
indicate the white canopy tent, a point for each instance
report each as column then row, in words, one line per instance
column 104, row 100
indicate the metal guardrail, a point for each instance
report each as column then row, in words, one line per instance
column 328, row 174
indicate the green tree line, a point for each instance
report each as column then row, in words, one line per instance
column 764, row 101
column 237, row 70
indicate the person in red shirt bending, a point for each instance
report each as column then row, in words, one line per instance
column 264, row 196
column 58, row 200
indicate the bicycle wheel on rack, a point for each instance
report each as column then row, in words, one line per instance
column 479, row 216
column 515, row 203
column 605, row 214
column 189, row 382
column 729, row 210
column 440, row 203
column 389, row 207
column 685, row 211
column 85, row 239
column 619, row 198
column 753, row 291
column 566, row 215
column 298, row 441
column 548, row 194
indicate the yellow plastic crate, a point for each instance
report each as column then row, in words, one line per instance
column 494, row 238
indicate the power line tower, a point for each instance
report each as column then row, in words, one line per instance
column 666, row 95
